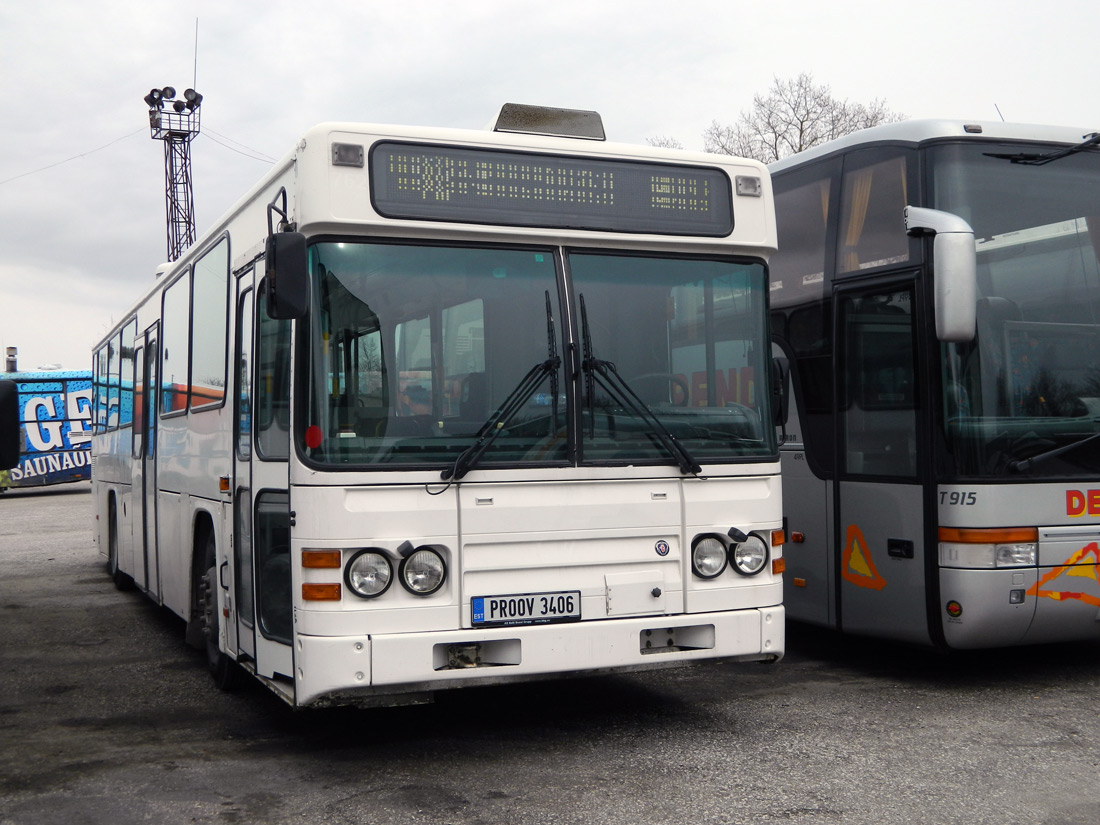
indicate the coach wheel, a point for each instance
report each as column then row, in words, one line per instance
column 226, row 672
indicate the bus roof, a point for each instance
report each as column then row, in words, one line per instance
column 919, row 131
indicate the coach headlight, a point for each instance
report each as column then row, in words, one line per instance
column 368, row 574
column 748, row 557
column 1022, row 554
column 708, row 557
column 423, row 572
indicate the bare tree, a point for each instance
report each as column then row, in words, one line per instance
column 664, row 142
column 793, row 116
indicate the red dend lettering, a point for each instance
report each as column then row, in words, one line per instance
column 748, row 387
column 1094, row 502
column 721, row 387
column 678, row 396
column 698, row 389
column 1075, row 503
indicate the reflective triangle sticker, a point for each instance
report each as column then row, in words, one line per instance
column 1083, row 572
column 856, row 565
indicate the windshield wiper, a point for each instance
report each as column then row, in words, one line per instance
column 606, row 375
column 515, row 401
column 1091, row 141
column 1022, row 465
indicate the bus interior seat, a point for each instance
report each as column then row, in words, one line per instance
column 473, row 403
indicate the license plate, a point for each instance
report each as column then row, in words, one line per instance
column 527, row 608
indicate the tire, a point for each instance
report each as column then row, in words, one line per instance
column 226, row 673
column 121, row 580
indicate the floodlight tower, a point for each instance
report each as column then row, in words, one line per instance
column 176, row 122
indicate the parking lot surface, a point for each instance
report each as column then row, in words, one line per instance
column 107, row 717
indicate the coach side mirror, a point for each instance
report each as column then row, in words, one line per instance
column 286, row 266
column 954, row 268
column 9, row 425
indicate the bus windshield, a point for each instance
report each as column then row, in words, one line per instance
column 1024, row 396
column 437, row 355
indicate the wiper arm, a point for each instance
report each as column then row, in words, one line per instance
column 1091, row 141
column 1021, row 465
column 496, row 422
column 607, row 376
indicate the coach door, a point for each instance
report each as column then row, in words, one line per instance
column 261, row 500
column 879, row 527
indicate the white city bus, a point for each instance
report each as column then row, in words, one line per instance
column 941, row 462
column 431, row 408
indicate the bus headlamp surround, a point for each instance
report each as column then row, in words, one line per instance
column 708, row 557
column 750, row 556
column 368, row 573
column 423, row 571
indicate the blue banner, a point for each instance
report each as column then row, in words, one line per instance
column 55, row 413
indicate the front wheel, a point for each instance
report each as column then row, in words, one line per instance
column 226, row 672
column 121, row 580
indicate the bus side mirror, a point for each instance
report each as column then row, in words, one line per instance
column 781, row 390
column 286, row 266
column 955, row 267
column 9, row 425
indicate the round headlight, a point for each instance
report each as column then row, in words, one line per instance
column 368, row 574
column 423, row 572
column 708, row 557
column 749, row 557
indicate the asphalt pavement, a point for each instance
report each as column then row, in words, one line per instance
column 107, row 717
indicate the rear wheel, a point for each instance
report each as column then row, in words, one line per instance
column 226, row 672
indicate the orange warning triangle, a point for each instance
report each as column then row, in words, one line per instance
column 1073, row 567
column 856, row 565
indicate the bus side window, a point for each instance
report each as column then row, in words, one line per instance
column 873, row 199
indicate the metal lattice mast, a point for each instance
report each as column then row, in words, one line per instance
column 176, row 122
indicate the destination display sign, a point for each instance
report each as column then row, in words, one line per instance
column 508, row 188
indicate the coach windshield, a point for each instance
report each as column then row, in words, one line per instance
column 1024, row 396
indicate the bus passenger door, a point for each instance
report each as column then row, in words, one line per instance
column 879, row 532
column 146, row 570
column 263, row 509
column 243, row 598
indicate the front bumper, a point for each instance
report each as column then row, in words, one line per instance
column 347, row 669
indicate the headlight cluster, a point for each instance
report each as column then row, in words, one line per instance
column 989, row 548
column 369, row 573
column 711, row 554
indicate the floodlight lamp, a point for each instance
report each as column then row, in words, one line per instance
column 179, row 106
column 169, row 92
column 190, row 95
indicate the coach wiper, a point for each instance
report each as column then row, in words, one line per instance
column 1022, row 465
column 606, row 375
column 1091, row 141
column 515, row 401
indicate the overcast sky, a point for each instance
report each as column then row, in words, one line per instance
column 82, row 214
